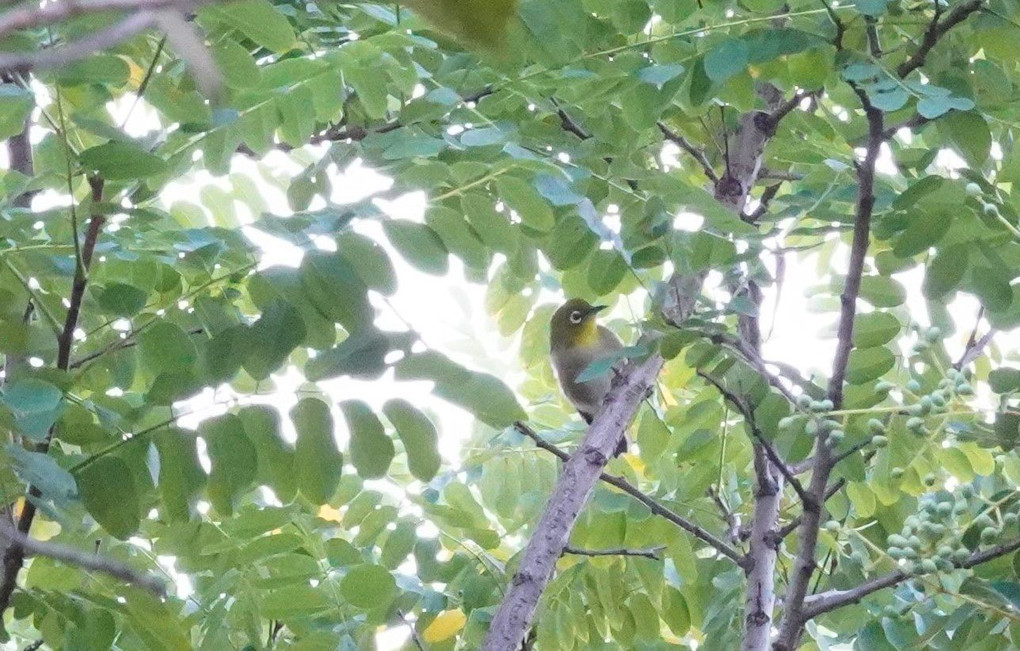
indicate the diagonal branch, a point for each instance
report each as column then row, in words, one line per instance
column 653, row 505
column 630, row 386
column 829, row 600
column 85, row 561
column 770, row 451
column 936, row 30
column 695, row 153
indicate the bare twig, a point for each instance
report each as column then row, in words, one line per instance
column 829, row 600
column 975, row 346
column 580, row 473
column 570, row 125
column 695, row 153
column 83, row 560
column 119, row 344
column 653, row 505
column 763, row 204
column 731, row 519
column 936, row 30
column 414, row 632
column 911, row 123
column 770, row 451
column 654, row 553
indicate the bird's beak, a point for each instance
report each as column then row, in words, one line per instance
column 595, row 309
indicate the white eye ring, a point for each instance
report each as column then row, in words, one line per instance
column 575, row 317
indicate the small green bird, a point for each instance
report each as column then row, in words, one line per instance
column 575, row 341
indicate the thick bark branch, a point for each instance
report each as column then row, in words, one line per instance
column 653, row 505
column 513, row 619
column 829, row 600
column 86, row 561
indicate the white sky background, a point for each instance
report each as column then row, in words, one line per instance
column 449, row 312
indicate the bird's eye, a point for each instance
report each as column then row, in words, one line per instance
column 576, row 316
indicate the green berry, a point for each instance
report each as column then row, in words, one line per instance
column 929, row 566
column 961, row 554
column 811, row 427
column 896, row 540
column 880, row 441
column 989, row 534
column 973, row 189
column 836, row 435
column 884, row 385
column 876, row 426
column 945, row 551
column 914, row 386
column 964, row 389
column 945, row 508
column 915, row 424
column 933, row 334
column 990, row 210
column 896, row 553
column 804, row 401
column 984, row 521
column 938, row 399
column 832, row 525
column 915, row 542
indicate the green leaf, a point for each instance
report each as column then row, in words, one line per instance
column 121, row 161
column 121, row 299
column 1004, row 380
column 368, row 586
column 109, row 494
column 233, row 459
column 258, row 20
column 275, row 456
column 295, row 601
column 418, row 435
column 16, row 104
column 272, row 338
column 935, row 106
column 875, row 329
column 335, row 289
column 882, row 291
column 419, row 244
column 180, row 473
column 925, row 229
column 869, row 364
column 40, row 470
column 945, row 271
column 968, row 133
column 36, row 406
column 369, row 260
column 521, row 197
column 317, row 459
column 165, row 348
column 361, row 355
column 726, row 59
column 371, row 449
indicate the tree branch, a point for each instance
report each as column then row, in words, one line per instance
column 769, row 450
column 974, row 346
column 14, row 555
column 95, row 42
column 792, row 625
column 695, row 153
column 653, row 505
column 38, row 15
column 630, row 386
column 85, row 561
column 654, row 553
column 829, row 600
column 936, row 30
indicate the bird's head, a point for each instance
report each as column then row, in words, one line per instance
column 573, row 324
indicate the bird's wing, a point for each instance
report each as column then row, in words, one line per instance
column 608, row 341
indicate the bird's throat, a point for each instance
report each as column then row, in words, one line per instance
column 587, row 334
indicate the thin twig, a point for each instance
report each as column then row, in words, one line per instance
column 414, row 632
column 829, row 600
column 83, row 560
column 731, row 519
column 695, row 153
column 570, row 125
column 935, row 31
column 99, row 40
column 653, row 505
column 974, row 346
column 766, row 445
column 654, row 553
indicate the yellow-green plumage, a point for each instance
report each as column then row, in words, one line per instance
column 575, row 341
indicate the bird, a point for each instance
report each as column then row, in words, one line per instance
column 576, row 340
